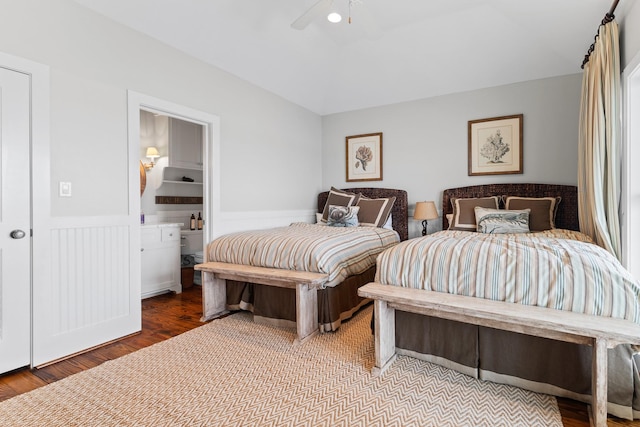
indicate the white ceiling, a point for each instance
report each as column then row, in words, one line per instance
column 393, row 51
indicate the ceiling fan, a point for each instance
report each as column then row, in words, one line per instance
column 320, row 8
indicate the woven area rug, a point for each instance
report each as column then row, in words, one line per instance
column 233, row 372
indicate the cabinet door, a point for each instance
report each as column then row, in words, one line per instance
column 160, row 258
column 185, row 144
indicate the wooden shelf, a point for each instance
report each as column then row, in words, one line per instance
column 178, row 200
column 181, row 182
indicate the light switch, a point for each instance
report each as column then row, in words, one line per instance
column 65, row 189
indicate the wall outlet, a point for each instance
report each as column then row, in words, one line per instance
column 65, row 189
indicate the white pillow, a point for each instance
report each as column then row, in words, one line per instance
column 387, row 224
column 319, row 219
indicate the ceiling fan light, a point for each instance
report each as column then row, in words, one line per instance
column 334, row 17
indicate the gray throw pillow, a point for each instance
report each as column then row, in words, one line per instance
column 338, row 198
column 343, row 216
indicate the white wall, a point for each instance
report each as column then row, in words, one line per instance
column 89, row 244
column 629, row 20
column 265, row 140
column 425, row 142
column 630, row 201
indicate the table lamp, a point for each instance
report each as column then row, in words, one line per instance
column 425, row 211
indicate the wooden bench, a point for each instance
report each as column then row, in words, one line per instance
column 214, row 291
column 599, row 332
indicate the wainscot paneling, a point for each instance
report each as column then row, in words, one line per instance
column 92, row 294
column 239, row 221
column 90, row 268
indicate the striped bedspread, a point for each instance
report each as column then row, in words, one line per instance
column 558, row 269
column 337, row 251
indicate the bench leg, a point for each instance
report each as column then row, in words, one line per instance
column 599, row 383
column 306, row 312
column 214, row 296
column 385, row 336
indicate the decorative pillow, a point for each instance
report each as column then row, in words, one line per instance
column 319, row 219
column 502, row 221
column 343, row 216
column 543, row 210
column 374, row 212
column 338, row 198
column 464, row 217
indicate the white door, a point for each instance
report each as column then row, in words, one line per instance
column 15, row 221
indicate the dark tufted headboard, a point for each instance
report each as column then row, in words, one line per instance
column 566, row 216
column 399, row 212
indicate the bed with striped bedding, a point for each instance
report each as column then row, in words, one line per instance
column 346, row 254
column 559, row 269
column 339, row 252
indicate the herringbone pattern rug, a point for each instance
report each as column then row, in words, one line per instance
column 233, row 372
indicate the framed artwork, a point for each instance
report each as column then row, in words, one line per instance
column 495, row 145
column 364, row 157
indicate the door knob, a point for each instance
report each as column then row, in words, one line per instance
column 17, row 234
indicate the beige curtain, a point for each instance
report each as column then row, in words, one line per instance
column 600, row 141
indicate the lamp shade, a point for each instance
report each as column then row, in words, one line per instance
column 152, row 153
column 425, row 210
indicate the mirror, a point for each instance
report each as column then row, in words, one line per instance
column 143, row 178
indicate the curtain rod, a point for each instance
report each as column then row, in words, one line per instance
column 607, row 18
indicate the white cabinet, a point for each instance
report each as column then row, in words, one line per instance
column 160, row 255
column 185, row 144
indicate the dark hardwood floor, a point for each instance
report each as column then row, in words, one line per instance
column 163, row 317
column 166, row 316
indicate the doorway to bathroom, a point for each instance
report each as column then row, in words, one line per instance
column 175, row 169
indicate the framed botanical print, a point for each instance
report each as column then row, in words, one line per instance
column 495, row 145
column 364, row 157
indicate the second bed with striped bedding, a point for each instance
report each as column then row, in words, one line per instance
column 558, row 269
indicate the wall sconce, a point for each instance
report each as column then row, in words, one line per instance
column 425, row 211
column 152, row 154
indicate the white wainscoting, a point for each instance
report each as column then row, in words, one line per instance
column 90, row 269
column 230, row 222
column 92, row 295
column 92, row 291
column 415, row 226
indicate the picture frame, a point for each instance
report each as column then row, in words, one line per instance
column 364, row 157
column 495, row 145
